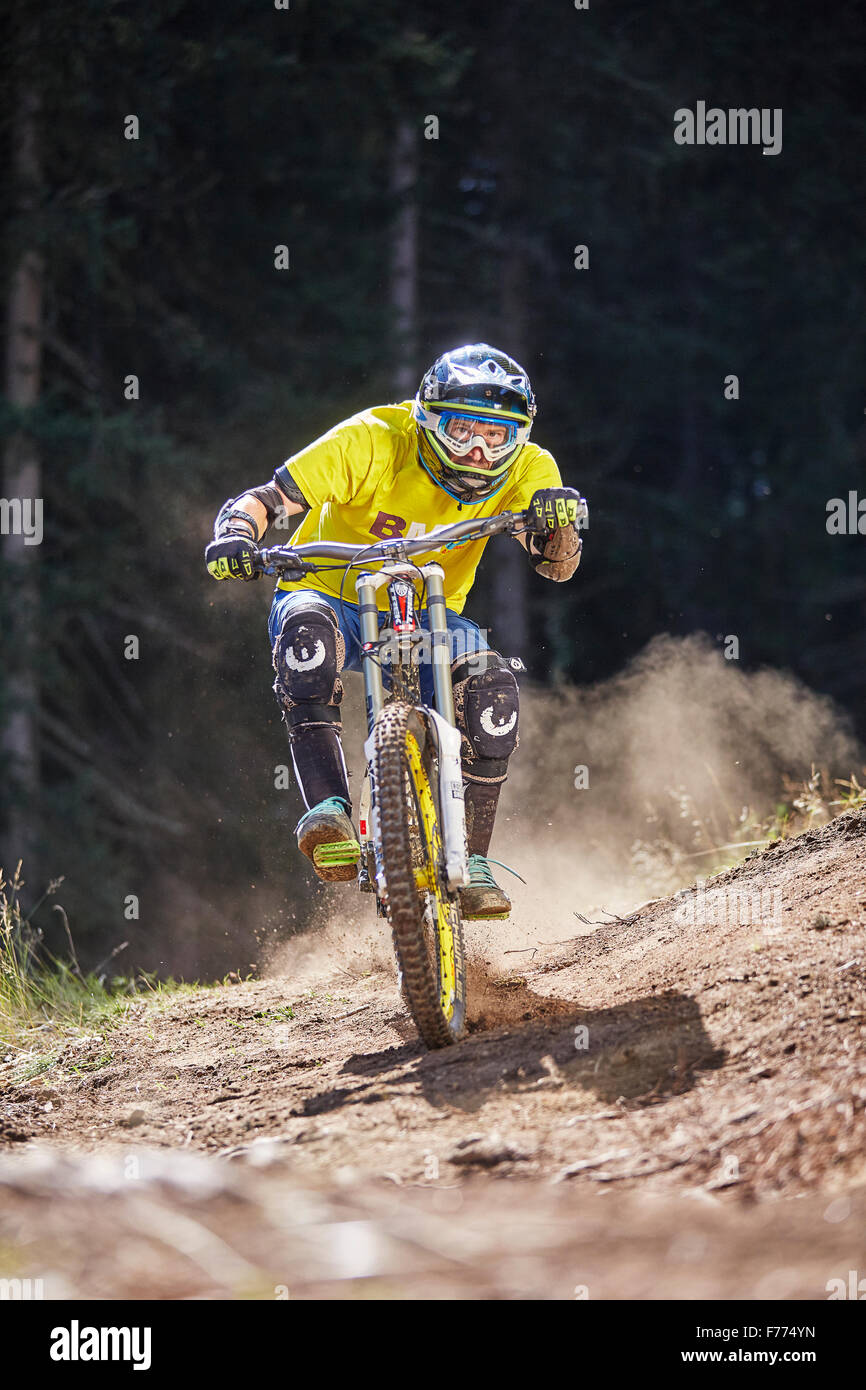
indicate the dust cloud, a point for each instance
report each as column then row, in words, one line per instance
column 344, row 941
column 621, row 791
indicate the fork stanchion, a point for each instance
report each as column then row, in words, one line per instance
column 368, row 611
column 440, row 642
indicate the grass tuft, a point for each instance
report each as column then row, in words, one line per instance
column 715, row 836
column 45, row 1001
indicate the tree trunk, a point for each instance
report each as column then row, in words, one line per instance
column 510, row 617
column 404, row 259
column 22, row 482
column 511, row 571
column 692, row 556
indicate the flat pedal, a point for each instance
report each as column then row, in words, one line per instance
column 337, row 853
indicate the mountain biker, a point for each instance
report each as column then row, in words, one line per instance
column 460, row 448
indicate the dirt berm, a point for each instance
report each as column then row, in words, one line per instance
column 672, row 1105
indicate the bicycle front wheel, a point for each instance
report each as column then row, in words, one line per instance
column 425, row 917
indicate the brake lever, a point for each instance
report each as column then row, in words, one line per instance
column 275, row 566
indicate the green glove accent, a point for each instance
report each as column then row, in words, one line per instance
column 232, row 557
column 554, row 507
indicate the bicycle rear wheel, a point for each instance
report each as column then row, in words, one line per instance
column 425, row 917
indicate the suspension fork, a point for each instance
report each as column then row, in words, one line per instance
column 451, row 807
column 374, row 699
column 440, row 642
column 442, row 719
column 368, row 612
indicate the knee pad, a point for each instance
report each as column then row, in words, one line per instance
column 486, row 703
column 308, row 657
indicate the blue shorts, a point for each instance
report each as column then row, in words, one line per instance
column 466, row 637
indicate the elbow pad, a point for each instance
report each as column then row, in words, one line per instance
column 232, row 520
column 270, row 499
column 289, row 486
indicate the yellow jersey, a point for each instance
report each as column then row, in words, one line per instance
column 364, row 483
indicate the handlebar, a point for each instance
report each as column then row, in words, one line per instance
column 293, row 562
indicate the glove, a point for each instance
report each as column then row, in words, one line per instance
column 552, row 508
column 554, row 546
column 232, row 557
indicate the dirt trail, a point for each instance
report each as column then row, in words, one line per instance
column 699, row 1064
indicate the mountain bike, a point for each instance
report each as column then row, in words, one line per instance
column 411, row 813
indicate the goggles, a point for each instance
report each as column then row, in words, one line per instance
column 459, row 431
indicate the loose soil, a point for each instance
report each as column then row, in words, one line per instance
column 670, row 1105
